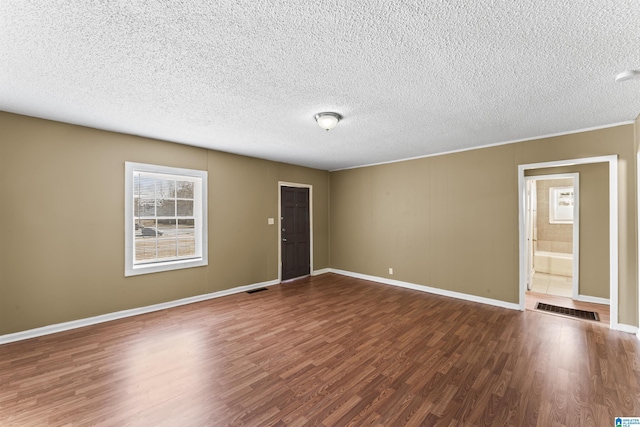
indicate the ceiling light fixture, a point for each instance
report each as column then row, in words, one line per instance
column 328, row 120
column 627, row 75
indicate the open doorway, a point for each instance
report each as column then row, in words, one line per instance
column 607, row 243
column 553, row 232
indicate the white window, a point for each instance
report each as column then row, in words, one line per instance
column 165, row 218
column 561, row 205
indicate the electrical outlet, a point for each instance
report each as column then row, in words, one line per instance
column 390, row 270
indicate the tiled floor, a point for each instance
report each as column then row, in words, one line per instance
column 553, row 285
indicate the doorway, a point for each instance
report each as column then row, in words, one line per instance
column 612, row 162
column 552, row 227
column 295, row 237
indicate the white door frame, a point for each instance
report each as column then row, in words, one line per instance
column 612, row 160
column 576, row 225
column 279, row 222
column 638, row 219
column 638, row 216
column 529, row 222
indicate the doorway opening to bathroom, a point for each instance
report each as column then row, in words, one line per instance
column 608, row 234
column 553, row 233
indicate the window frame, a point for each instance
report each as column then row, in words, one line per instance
column 200, row 215
column 554, row 208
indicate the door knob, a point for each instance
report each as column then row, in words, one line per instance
column 284, row 239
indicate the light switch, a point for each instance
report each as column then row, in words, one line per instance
column 270, row 221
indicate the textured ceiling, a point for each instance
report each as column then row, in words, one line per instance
column 410, row 77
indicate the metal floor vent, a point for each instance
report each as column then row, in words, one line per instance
column 253, row 291
column 572, row 312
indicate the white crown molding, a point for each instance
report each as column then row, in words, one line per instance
column 496, row 144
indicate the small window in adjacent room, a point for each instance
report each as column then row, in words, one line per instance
column 561, row 205
column 165, row 218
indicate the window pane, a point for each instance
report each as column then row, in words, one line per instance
column 165, row 188
column 146, row 207
column 185, row 207
column 147, row 222
column 146, row 228
column 167, row 248
column 185, row 189
column 186, row 228
column 166, row 207
column 144, row 186
column 186, row 247
column 138, row 226
column 145, row 248
column 167, row 227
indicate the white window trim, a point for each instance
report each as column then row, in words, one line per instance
column 553, row 205
column 199, row 205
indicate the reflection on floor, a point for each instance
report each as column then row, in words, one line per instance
column 544, row 283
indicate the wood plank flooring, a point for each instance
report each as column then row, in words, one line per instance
column 325, row 351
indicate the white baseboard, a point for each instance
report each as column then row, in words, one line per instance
column 630, row 329
column 437, row 291
column 59, row 327
column 473, row 298
column 594, row 300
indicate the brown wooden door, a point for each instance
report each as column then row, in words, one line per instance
column 295, row 232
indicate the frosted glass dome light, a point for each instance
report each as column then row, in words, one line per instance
column 327, row 120
column 627, row 75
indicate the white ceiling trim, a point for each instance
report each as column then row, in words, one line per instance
column 630, row 122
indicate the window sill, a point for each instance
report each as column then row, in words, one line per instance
column 164, row 266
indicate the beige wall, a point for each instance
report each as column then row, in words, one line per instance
column 444, row 221
column 594, row 225
column 448, row 221
column 62, row 206
column 550, row 236
column 451, row 221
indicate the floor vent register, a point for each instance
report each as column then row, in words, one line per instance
column 571, row 312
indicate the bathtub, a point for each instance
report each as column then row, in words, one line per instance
column 557, row 263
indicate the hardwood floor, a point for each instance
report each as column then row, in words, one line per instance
column 327, row 350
